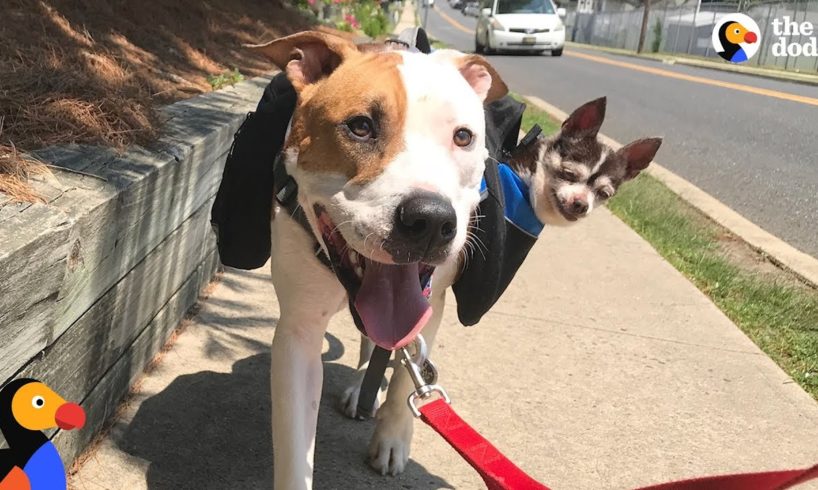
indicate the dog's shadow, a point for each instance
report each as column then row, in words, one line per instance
column 212, row 430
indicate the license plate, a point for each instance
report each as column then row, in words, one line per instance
column 529, row 40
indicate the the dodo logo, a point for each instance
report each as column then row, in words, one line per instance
column 31, row 462
column 736, row 37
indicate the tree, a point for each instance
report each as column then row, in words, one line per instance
column 643, row 32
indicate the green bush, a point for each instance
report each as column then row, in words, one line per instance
column 225, row 79
column 344, row 26
column 657, row 37
column 373, row 20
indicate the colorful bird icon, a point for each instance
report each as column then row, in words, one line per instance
column 31, row 462
column 731, row 36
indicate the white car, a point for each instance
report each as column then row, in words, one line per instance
column 471, row 9
column 520, row 25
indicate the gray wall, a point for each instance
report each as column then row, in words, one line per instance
column 94, row 281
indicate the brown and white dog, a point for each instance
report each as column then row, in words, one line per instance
column 388, row 150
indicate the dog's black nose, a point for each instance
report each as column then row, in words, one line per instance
column 427, row 217
column 425, row 223
column 579, row 206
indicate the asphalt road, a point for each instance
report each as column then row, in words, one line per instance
column 756, row 153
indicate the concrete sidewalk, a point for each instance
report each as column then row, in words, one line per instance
column 602, row 367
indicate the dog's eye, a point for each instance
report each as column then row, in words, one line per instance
column 462, row 137
column 569, row 175
column 361, row 127
column 604, row 193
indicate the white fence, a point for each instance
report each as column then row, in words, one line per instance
column 687, row 29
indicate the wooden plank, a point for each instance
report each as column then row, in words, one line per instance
column 76, row 157
column 33, row 256
column 74, row 364
column 100, row 398
column 108, row 216
column 214, row 114
column 118, row 213
column 155, row 196
column 124, row 210
column 104, row 399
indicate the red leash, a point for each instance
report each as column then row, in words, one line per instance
column 500, row 473
column 496, row 470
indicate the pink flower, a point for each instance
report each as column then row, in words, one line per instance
column 352, row 21
column 311, row 2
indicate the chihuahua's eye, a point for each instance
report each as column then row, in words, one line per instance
column 462, row 137
column 361, row 128
column 569, row 175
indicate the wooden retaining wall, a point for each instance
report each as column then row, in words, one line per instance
column 93, row 282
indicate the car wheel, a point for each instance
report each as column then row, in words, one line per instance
column 478, row 48
column 487, row 48
column 556, row 52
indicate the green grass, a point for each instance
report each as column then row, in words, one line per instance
column 774, row 309
column 230, row 77
column 779, row 314
column 533, row 116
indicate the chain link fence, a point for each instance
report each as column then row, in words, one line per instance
column 687, row 29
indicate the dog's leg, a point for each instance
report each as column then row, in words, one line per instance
column 309, row 295
column 389, row 446
column 349, row 400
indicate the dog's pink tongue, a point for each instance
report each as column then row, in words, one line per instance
column 391, row 304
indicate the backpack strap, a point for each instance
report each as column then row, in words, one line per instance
column 414, row 38
column 286, row 194
column 254, row 175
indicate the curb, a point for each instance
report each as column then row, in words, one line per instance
column 407, row 17
column 779, row 252
column 792, row 77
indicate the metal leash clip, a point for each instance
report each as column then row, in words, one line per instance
column 423, row 373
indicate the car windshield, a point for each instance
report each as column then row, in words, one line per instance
column 524, row 7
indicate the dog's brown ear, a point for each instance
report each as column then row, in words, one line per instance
column 585, row 120
column 638, row 155
column 483, row 78
column 307, row 56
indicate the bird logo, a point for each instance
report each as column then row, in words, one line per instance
column 736, row 38
column 31, row 462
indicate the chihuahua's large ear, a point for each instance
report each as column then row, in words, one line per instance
column 639, row 154
column 586, row 120
column 482, row 77
column 307, row 56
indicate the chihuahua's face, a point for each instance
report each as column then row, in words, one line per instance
column 572, row 172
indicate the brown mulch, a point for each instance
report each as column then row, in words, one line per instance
column 94, row 71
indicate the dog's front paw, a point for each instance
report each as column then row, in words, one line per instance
column 348, row 404
column 389, row 447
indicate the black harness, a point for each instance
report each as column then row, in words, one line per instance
column 241, row 214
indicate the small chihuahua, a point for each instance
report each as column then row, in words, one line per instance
column 572, row 172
